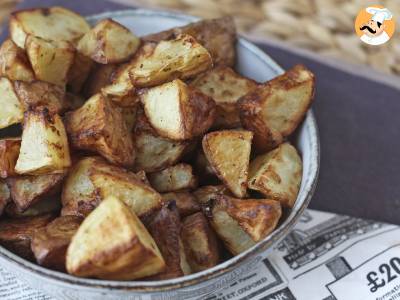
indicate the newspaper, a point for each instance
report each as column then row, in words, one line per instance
column 325, row 257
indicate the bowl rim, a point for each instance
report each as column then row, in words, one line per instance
column 220, row 269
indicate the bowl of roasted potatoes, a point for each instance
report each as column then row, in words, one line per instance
column 146, row 153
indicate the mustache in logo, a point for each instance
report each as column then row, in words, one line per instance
column 368, row 28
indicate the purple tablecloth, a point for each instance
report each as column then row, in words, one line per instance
column 359, row 127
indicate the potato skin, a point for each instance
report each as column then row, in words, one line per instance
column 44, row 206
column 185, row 202
column 79, row 72
column 9, row 152
column 206, row 193
column 99, row 77
column 5, row 197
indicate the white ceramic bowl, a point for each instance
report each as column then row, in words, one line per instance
column 253, row 63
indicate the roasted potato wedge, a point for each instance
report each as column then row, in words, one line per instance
column 50, row 60
column 99, row 77
column 165, row 228
column 9, row 152
column 228, row 152
column 99, row 126
column 12, row 111
column 47, row 205
column 182, row 57
column 16, row 234
column 218, row 36
column 226, row 87
column 79, row 72
column 177, row 111
column 14, row 63
column 242, row 223
column 206, row 193
column 110, row 247
column 275, row 109
column 27, row 190
column 44, row 145
column 49, row 244
column 129, row 116
column 277, row 174
column 185, row 202
column 172, row 179
column 108, row 42
column 200, row 243
column 5, row 196
column 54, row 23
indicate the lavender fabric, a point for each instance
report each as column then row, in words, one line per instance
column 359, row 127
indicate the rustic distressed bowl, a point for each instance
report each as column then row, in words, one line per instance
column 252, row 62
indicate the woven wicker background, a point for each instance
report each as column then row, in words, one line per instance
column 322, row 26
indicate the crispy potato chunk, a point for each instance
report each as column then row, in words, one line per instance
column 99, row 77
column 185, row 202
column 45, row 206
column 49, row 244
column 108, row 42
column 228, row 152
column 11, row 111
column 165, row 228
column 177, row 111
column 129, row 116
column 200, row 241
column 175, row 178
column 277, row 174
column 225, row 86
column 218, row 36
column 79, row 72
column 27, row 190
column 14, row 63
column 50, row 60
column 5, row 197
column 44, row 145
column 206, row 193
column 242, row 223
column 9, row 151
column 99, row 126
column 128, row 253
column 182, row 57
column 275, row 109
column 54, row 23
column 16, row 234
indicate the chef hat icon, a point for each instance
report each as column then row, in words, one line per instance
column 379, row 14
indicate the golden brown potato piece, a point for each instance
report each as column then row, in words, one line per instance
column 218, row 36
column 200, row 242
column 54, row 23
column 45, row 206
column 165, row 228
column 108, row 42
column 242, row 223
column 11, row 111
column 79, row 72
column 99, row 126
column 182, row 57
column 44, row 145
column 99, row 77
column 40, row 93
column 5, row 197
column 16, row 234
column 128, row 253
column 275, row 109
column 277, row 174
column 129, row 116
column 27, row 190
column 50, row 60
column 49, row 244
column 14, row 63
column 177, row 111
column 9, row 151
column 185, row 202
column 207, row 193
column 121, row 92
column 225, row 86
column 228, row 152
column 172, row 179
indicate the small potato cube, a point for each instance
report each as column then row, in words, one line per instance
column 79, row 72
column 240, row 224
column 9, row 151
column 185, row 202
column 5, row 197
column 228, row 152
column 182, row 57
column 44, row 145
column 108, row 42
column 99, row 126
column 14, row 63
column 175, row 178
column 206, row 193
column 99, row 77
column 12, row 111
column 200, row 241
column 275, row 109
column 50, row 60
column 277, row 174
column 112, row 243
column 177, row 111
column 49, row 244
